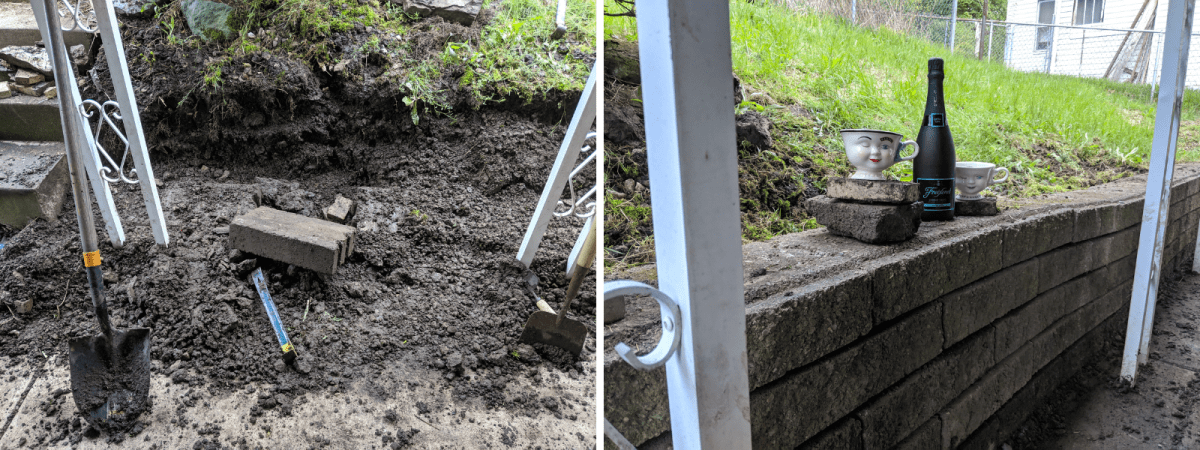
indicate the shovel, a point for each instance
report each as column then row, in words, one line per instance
column 545, row 327
column 110, row 372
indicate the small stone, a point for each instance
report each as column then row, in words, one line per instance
column 303, row 365
column 454, row 360
column 79, row 55
column 614, row 310
column 24, row 306
column 341, row 209
column 982, row 207
column 51, row 92
column 224, row 176
column 354, row 289
column 754, row 128
column 28, row 57
column 873, row 224
column 134, row 8
column 28, row 77
column 5, row 91
column 873, row 191
column 461, row 11
column 221, row 230
column 35, row 90
column 245, row 267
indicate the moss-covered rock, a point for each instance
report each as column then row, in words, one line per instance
column 211, row 21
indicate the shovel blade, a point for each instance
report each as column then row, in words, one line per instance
column 111, row 384
column 569, row 335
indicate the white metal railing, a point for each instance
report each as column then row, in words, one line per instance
column 100, row 166
column 562, row 176
column 1155, row 214
column 686, row 67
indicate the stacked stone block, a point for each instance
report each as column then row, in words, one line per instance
column 946, row 343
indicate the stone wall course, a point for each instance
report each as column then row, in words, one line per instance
column 798, row 327
column 978, row 304
column 927, row 436
column 911, row 402
column 1060, row 265
column 844, row 435
column 1035, row 235
column 798, row 406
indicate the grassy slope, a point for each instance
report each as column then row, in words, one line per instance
column 1056, row 133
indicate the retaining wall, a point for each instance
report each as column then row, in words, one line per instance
column 946, row 341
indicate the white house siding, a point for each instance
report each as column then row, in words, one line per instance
column 1079, row 52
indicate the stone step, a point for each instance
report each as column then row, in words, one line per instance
column 18, row 27
column 33, row 181
column 30, row 119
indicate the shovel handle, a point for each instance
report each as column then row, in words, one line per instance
column 96, row 285
column 586, row 255
column 76, row 146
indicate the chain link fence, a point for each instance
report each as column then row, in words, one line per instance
column 1098, row 50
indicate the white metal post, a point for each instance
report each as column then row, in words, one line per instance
column 1158, row 187
column 688, row 103
column 560, row 174
column 953, row 23
column 1196, row 253
column 91, row 161
column 853, row 12
column 114, row 51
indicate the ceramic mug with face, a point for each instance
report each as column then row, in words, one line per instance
column 872, row 151
column 971, row 178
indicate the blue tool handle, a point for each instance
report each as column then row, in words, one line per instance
column 260, row 284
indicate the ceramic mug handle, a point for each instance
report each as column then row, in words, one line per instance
column 916, row 149
column 997, row 171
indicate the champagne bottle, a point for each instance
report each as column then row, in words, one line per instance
column 933, row 168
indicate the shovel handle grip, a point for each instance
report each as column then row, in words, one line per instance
column 586, row 255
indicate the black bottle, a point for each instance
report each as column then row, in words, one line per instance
column 933, row 168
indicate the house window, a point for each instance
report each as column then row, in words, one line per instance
column 1089, row 11
column 1046, row 15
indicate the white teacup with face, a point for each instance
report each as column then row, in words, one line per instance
column 873, row 151
column 971, row 178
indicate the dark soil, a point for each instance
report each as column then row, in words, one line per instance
column 441, row 209
column 1096, row 410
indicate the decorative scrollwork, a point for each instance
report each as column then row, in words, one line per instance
column 78, row 20
column 583, row 206
column 107, row 112
column 672, row 320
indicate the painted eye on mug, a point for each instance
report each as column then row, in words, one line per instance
column 885, row 146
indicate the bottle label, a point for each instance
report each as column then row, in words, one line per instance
column 937, row 193
column 937, row 120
